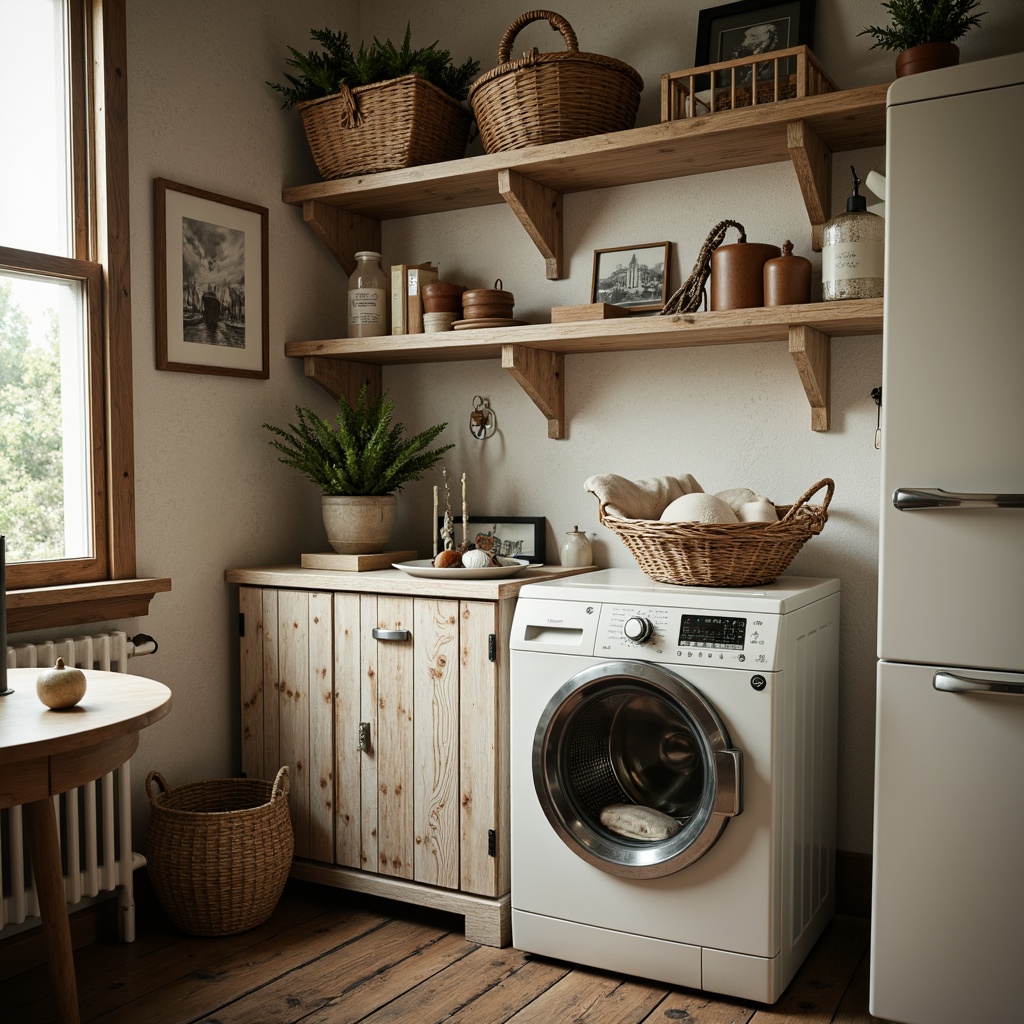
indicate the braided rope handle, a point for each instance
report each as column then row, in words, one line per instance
column 152, row 777
column 281, row 783
column 687, row 298
column 556, row 21
column 830, row 487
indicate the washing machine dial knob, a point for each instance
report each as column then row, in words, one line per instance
column 637, row 628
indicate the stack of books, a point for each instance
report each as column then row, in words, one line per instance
column 407, row 280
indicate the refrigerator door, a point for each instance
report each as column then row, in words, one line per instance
column 952, row 577
column 947, row 915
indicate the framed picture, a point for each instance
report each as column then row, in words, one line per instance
column 212, row 283
column 750, row 27
column 510, row 536
column 633, row 276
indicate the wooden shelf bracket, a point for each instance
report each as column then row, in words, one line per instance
column 812, row 160
column 539, row 210
column 812, row 352
column 542, row 376
column 342, row 232
column 343, row 378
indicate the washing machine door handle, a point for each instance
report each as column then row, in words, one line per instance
column 728, row 791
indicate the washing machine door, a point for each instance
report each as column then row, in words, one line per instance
column 634, row 770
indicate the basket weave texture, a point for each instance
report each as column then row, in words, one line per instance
column 550, row 97
column 722, row 554
column 403, row 122
column 219, row 851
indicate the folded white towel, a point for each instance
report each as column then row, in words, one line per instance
column 639, row 499
column 760, row 510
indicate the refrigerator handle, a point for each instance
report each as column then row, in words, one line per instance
column 1010, row 684
column 910, row 499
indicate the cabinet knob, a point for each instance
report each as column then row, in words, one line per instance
column 390, row 634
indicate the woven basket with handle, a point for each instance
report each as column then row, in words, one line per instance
column 722, row 554
column 403, row 122
column 219, row 851
column 551, row 97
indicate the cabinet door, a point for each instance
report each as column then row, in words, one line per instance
column 483, row 742
column 287, row 706
column 348, row 714
column 436, row 714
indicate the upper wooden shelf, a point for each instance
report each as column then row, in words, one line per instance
column 346, row 212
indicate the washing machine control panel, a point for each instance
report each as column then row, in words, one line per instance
column 687, row 636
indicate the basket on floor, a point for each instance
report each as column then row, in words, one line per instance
column 219, row 851
column 550, row 97
column 722, row 554
column 403, row 122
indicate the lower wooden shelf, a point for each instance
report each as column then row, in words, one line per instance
column 534, row 354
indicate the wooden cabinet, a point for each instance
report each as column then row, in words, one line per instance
column 388, row 699
column 346, row 215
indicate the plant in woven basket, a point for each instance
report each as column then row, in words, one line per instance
column 923, row 21
column 323, row 72
column 361, row 453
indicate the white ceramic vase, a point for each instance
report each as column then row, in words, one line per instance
column 359, row 525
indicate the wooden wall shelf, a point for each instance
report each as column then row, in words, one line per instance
column 346, row 213
column 534, row 354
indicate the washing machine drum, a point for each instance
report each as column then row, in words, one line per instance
column 634, row 769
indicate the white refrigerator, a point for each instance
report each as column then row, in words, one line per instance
column 947, row 930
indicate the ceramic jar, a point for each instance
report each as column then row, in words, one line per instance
column 737, row 274
column 787, row 280
column 576, row 549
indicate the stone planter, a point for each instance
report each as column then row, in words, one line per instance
column 359, row 525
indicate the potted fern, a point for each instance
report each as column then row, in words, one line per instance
column 924, row 32
column 359, row 463
column 381, row 107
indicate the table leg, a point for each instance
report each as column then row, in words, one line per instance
column 44, row 840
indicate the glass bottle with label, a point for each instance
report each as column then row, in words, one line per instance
column 367, row 298
column 853, row 251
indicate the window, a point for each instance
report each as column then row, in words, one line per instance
column 66, row 448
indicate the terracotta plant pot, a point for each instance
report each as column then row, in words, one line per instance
column 442, row 297
column 927, row 57
column 359, row 525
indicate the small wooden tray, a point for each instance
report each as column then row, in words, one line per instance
column 588, row 311
column 355, row 563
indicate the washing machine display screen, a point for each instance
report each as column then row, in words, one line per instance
column 714, row 631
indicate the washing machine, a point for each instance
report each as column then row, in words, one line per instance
column 673, row 777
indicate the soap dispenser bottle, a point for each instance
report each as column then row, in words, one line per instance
column 853, row 251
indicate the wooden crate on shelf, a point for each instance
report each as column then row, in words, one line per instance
column 743, row 82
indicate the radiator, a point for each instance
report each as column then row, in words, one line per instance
column 94, row 820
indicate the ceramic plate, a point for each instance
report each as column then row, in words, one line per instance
column 424, row 568
column 486, row 321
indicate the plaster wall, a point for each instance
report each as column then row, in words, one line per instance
column 209, row 491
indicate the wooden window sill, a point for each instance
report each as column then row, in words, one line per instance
column 47, row 607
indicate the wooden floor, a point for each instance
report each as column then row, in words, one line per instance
column 329, row 957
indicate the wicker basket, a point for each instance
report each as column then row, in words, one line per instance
column 551, row 97
column 402, row 122
column 722, row 554
column 219, row 851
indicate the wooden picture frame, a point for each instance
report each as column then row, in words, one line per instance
column 212, row 283
column 511, row 536
column 749, row 27
column 632, row 276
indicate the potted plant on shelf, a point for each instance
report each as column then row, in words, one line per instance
column 924, row 32
column 359, row 462
column 380, row 108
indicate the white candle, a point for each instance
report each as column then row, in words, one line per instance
column 433, row 522
column 465, row 518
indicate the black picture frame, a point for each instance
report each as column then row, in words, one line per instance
column 218, row 323
column 724, row 32
column 515, row 536
column 650, row 259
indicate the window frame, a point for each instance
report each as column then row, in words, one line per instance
column 38, row 595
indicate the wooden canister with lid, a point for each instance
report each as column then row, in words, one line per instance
column 737, row 274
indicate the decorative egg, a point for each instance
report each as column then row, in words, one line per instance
column 699, row 508
column 448, row 559
column 476, row 559
column 60, row 687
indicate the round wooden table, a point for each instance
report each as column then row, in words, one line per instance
column 44, row 752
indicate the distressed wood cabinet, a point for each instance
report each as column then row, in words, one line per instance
column 387, row 696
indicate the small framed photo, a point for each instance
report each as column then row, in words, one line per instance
column 750, row 27
column 633, row 276
column 509, row 536
column 212, row 283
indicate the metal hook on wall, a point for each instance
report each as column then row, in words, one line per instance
column 482, row 421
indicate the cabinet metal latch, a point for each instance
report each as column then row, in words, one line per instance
column 241, row 624
column 492, row 647
column 492, row 843
column 364, row 737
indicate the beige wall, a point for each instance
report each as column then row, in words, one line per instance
column 210, row 493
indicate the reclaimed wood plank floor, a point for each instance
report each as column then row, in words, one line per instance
column 329, row 957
